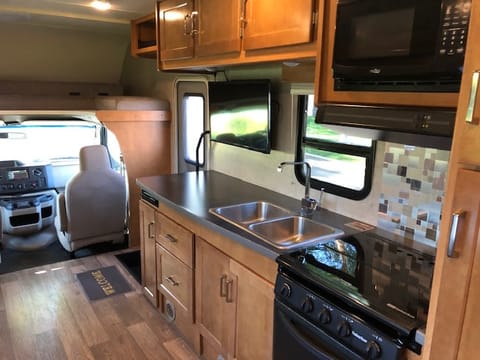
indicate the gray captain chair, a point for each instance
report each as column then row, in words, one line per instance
column 92, row 209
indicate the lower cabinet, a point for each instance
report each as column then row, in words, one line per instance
column 174, row 259
column 148, row 251
column 234, row 308
column 221, row 307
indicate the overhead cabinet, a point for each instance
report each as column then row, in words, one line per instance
column 281, row 23
column 198, row 28
column 143, row 37
column 197, row 33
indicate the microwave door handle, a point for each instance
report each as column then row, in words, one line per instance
column 470, row 117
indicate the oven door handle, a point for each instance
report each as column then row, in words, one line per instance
column 285, row 315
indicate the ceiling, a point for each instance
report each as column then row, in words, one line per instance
column 75, row 14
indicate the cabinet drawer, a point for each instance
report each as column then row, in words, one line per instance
column 177, row 315
column 174, row 277
column 175, row 238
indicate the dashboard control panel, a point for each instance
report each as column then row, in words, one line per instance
column 24, row 179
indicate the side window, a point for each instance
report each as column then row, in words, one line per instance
column 341, row 164
column 191, row 122
column 194, row 108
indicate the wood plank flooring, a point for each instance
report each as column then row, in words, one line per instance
column 44, row 314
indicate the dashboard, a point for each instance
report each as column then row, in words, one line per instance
column 23, row 179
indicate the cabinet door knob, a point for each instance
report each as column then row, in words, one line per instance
column 453, row 232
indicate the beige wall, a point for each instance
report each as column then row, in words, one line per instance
column 141, row 78
column 40, row 53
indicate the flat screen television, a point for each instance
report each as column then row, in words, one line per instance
column 240, row 113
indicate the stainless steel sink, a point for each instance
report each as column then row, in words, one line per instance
column 276, row 226
column 293, row 232
column 251, row 212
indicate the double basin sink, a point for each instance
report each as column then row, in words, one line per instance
column 276, row 226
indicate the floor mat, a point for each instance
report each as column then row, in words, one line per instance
column 103, row 282
column 131, row 262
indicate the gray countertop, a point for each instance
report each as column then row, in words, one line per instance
column 193, row 194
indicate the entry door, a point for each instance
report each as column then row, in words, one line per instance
column 192, row 115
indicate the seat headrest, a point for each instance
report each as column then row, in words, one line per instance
column 94, row 157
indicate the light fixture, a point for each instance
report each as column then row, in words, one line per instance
column 102, row 5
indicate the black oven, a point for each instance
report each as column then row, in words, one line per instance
column 408, row 45
column 363, row 297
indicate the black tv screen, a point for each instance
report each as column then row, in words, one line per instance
column 240, row 113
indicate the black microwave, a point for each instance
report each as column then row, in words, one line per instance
column 400, row 45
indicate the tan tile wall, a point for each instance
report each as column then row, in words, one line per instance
column 412, row 191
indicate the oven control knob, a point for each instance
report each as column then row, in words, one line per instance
column 286, row 290
column 373, row 350
column 307, row 305
column 343, row 329
column 325, row 317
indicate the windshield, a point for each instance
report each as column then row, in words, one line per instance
column 47, row 141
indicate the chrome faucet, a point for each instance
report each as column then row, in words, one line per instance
column 308, row 204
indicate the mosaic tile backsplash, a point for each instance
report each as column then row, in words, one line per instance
column 413, row 189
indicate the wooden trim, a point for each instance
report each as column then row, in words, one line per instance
column 251, row 57
column 134, row 115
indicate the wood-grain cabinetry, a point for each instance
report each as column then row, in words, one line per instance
column 452, row 326
column 148, row 251
column 324, row 82
column 143, row 38
column 198, row 28
column 208, row 286
column 150, row 156
column 197, row 33
column 229, row 297
column 282, row 23
column 174, row 267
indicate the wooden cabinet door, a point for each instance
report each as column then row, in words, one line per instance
column 215, row 302
column 278, row 23
column 175, row 29
column 254, row 321
column 458, row 275
column 217, row 24
column 467, row 127
column 148, row 251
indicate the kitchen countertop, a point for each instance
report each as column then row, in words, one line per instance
column 193, row 194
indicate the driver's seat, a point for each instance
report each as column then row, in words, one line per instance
column 93, row 207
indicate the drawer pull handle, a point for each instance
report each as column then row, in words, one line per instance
column 453, row 232
column 172, row 281
column 171, row 238
column 229, row 297
column 223, row 286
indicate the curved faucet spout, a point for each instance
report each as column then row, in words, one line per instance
column 307, row 173
column 308, row 204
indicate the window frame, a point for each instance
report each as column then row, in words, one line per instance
column 368, row 153
column 202, row 149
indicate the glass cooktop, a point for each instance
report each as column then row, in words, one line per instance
column 384, row 278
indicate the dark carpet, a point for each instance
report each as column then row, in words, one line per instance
column 131, row 261
column 14, row 260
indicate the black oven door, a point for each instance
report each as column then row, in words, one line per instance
column 296, row 338
column 386, row 38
